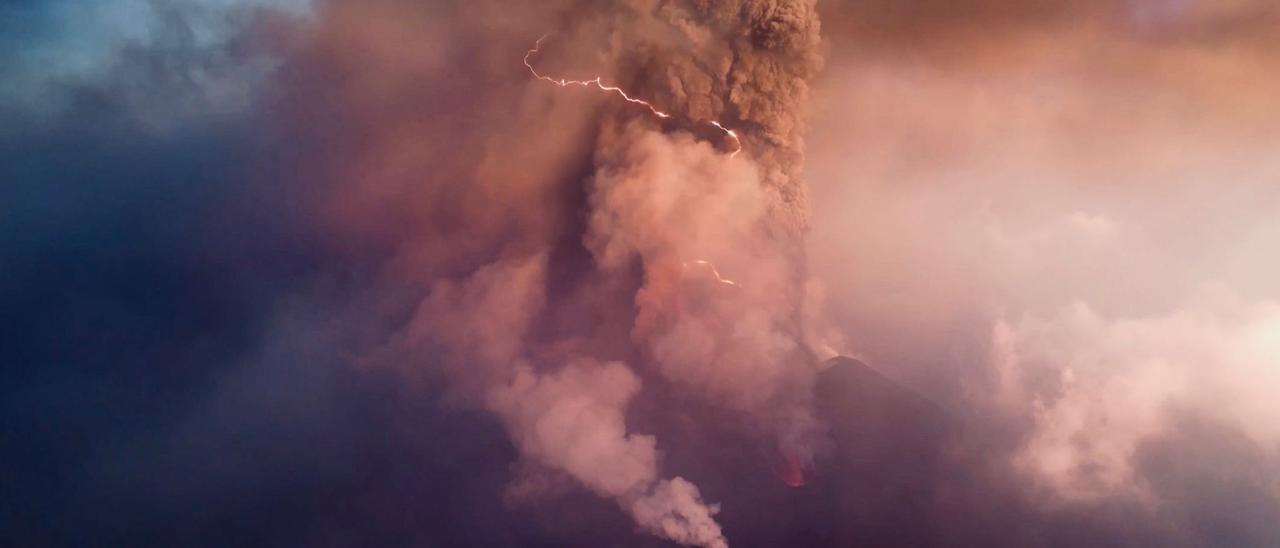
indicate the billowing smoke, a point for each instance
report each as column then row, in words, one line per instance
column 573, row 420
column 691, row 250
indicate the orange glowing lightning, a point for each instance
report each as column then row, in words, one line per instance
column 714, row 272
column 599, row 84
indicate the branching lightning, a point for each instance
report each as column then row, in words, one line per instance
column 598, row 83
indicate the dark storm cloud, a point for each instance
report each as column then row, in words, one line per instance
column 168, row 375
column 120, row 310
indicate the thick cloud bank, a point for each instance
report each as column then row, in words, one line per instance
column 1054, row 220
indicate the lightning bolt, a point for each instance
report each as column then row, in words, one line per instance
column 715, row 272
column 598, row 83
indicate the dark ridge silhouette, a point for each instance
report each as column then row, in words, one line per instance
column 860, row 402
column 879, row 479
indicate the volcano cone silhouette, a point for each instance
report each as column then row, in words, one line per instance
column 874, row 416
column 880, row 478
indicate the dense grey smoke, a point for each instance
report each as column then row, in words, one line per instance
column 695, row 252
column 680, row 208
column 747, row 64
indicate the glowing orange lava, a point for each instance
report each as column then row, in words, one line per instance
column 598, row 82
column 790, row 472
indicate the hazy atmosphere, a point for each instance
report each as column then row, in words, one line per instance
column 640, row 273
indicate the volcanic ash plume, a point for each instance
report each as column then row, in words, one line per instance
column 694, row 215
column 745, row 64
column 687, row 212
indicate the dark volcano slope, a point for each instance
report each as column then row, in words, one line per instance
column 878, row 481
column 874, row 484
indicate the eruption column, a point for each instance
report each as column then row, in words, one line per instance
column 598, row 82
